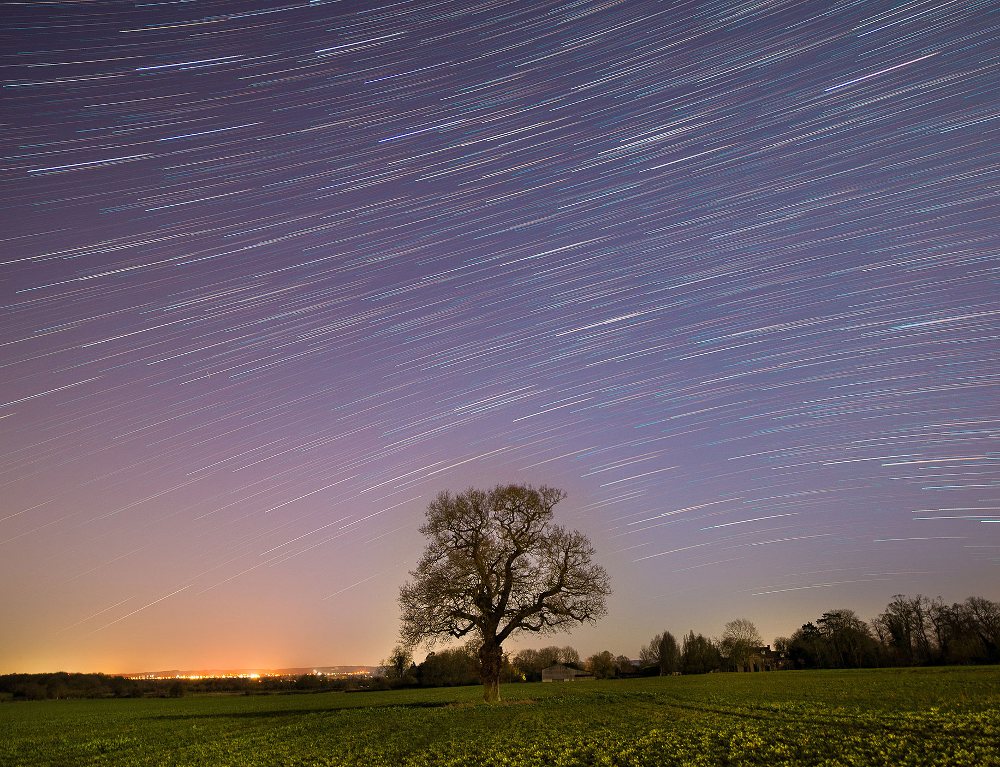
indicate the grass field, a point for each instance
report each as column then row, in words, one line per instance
column 883, row 717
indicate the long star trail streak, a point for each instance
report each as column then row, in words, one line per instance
column 272, row 278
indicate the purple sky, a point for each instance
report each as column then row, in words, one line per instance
column 275, row 274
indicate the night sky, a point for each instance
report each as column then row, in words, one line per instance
column 275, row 274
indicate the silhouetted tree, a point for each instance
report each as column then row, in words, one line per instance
column 670, row 654
column 838, row 639
column 624, row 666
column 741, row 644
column 904, row 627
column 663, row 652
column 982, row 618
column 398, row 666
column 849, row 641
column 450, row 667
column 569, row 656
column 965, row 632
column 806, row 648
column 496, row 564
column 649, row 655
column 602, row 665
column 529, row 664
column 699, row 655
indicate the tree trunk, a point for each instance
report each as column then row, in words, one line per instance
column 491, row 661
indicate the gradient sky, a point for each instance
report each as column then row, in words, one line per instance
column 275, row 274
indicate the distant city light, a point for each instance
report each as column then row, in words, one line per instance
column 279, row 674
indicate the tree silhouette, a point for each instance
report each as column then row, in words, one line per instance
column 662, row 652
column 741, row 643
column 495, row 564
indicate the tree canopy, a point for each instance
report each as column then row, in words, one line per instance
column 496, row 564
column 741, row 643
column 663, row 652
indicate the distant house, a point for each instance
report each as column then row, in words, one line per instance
column 764, row 659
column 561, row 673
column 772, row 660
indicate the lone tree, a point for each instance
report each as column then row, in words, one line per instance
column 495, row 564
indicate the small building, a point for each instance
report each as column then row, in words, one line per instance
column 763, row 659
column 561, row 673
column 772, row 660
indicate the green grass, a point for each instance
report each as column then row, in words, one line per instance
column 884, row 717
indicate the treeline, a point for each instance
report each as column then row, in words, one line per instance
column 460, row 666
column 911, row 631
column 445, row 668
column 63, row 685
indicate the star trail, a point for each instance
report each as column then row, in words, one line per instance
column 275, row 274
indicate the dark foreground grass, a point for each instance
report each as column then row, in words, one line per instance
column 884, row 717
